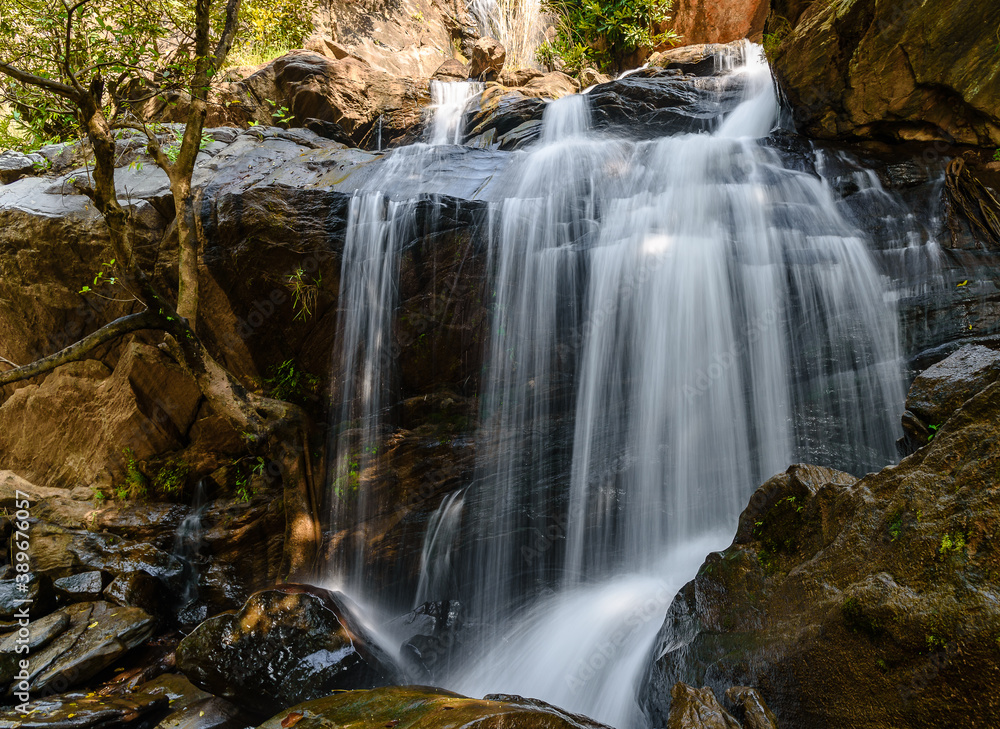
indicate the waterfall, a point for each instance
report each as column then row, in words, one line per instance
column 672, row 322
column 449, row 102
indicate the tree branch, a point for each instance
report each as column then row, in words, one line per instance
column 155, row 148
column 69, row 42
column 228, row 34
column 56, row 87
column 79, row 350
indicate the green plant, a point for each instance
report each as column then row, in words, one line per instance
column 603, row 33
column 950, row 544
column 287, row 382
column 99, row 497
column 246, row 471
column 896, row 525
column 171, row 478
column 280, row 114
column 996, row 155
column 934, row 429
column 136, row 485
column 934, row 642
column 271, row 28
column 305, row 293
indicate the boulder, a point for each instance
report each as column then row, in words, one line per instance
column 518, row 77
column 421, row 707
column 40, row 633
column 364, row 101
column 488, row 58
column 138, row 589
column 37, row 590
column 286, row 645
column 451, row 70
column 940, row 390
column 86, row 711
column 592, row 77
column 553, row 85
column 15, row 165
column 693, row 708
column 719, row 21
column 697, row 60
column 856, row 603
column 896, row 71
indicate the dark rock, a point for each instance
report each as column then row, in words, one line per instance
column 34, row 595
column 98, row 634
column 451, row 70
column 138, row 589
column 190, row 707
column 426, row 708
column 84, row 586
column 751, row 709
column 693, row 708
column 865, row 604
column 85, row 711
column 910, row 71
column 939, row 391
column 287, row 645
column 488, row 58
column 39, row 633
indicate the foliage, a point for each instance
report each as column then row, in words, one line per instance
column 996, row 156
column 287, row 382
column 271, row 28
column 247, row 470
column 305, row 292
column 171, row 479
column 136, row 485
column 113, row 43
column 952, row 544
column 603, row 33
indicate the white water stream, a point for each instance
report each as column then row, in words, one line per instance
column 673, row 322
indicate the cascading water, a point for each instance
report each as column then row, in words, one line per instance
column 449, row 100
column 673, row 322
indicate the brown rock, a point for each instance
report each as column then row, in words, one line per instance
column 553, row 85
column 592, row 77
column 518, row 77
column 693, row 708
column 752, row 709
column 900, row 71
column 698, row 60
column 719, row 21
column 488, row 58
column 451, row 70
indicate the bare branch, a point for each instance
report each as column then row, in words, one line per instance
column 155, row 148
column 79, row 350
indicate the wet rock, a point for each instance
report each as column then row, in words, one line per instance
column 870, row 603
column 451, row 70
column 40, row 633
column 896, row 72
column 97, row 635
column 697, row 709
column 138, row 589
column 84, row 711
column 34, row 596
column 751, row 709
column 285, row 646
column 697, row 60
column 15, row 165
column 940, row 390
column 488, row 58
column 190, row 707
column 85, row 586
column 406, row 707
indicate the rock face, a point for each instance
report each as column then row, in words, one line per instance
column 86, row 711
column 420, row 707
column 869, row 602
column 488, row 58
column 287, row 645
column 915, row 70
column 719, row 21
column 693, row 708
